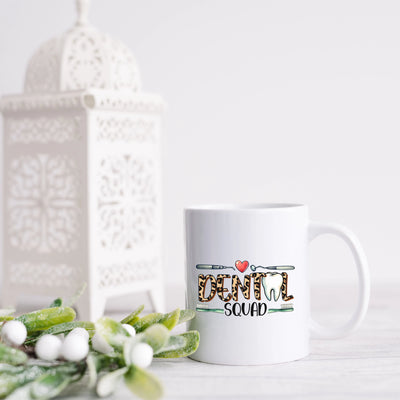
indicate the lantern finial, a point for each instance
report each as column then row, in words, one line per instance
column 82, row 7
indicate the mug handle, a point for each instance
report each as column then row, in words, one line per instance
column 316, row 229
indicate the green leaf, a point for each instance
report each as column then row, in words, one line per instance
column 175, row 342
column 143, row 384
column 113, row 332
column 192, row 339
column 91, row 363
column 6, row 312
column 12, row 356
column 171, row 319
column 6, row 318
column 49, row 385
column 65, row 327
column 109, row 382
column 96, row 362
column 186, row 315
column 146, row 321
column 56, row 302
column 156, row 336
column 44, row 319
column 12, row 369
column 133, row 317
column 22, row 393
column 9, row 381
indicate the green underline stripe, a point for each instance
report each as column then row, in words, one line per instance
column 272, row 310
column 217, row 310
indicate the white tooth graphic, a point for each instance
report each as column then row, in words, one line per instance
column 272, row 282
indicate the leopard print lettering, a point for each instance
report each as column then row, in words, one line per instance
column 202, row 287
column 245, row 287
column 285, row 297
column 257, row 283
column 221, row 289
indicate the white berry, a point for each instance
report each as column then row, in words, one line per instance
column 48, row 347
column 80, row 332
column 74, row 348
column 142, row 355
column 14, row 333
column 100, row 344
column 130, row 329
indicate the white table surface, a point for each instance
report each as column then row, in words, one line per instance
column 365, row 365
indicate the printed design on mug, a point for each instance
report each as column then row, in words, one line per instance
column 265, row 285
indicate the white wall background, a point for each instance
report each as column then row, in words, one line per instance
column 268, row 101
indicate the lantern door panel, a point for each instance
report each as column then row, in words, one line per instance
column 44, row 204
column 125, row 202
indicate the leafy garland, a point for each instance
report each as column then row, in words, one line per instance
column 23, row 376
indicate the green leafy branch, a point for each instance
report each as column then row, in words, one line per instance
column 113, row 353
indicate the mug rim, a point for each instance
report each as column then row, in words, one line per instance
column 244, row 207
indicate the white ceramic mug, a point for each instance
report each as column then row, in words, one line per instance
column 247, row 279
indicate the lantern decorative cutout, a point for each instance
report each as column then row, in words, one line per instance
column 82, row 175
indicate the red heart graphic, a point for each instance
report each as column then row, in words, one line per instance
column 241, row 265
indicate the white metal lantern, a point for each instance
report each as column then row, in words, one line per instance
column 82, row 175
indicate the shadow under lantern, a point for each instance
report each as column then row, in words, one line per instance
column 82, row 175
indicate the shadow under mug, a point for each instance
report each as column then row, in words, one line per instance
column 247, row 279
